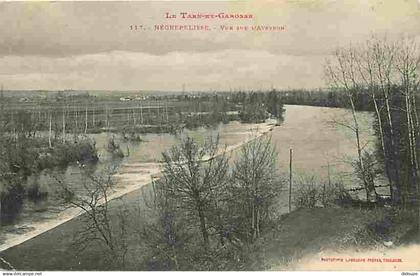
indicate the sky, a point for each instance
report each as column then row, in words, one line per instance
column 89, row 45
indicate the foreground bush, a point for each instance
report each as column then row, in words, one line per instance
column 114, row 149
column 311, row 193
column 82, row 151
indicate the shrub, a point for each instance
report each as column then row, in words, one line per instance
column 132, row 137
column 307, row 194
column 82, row 151
column 311, row 193
column 114, row 148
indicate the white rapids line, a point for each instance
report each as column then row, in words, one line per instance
column 153, row 169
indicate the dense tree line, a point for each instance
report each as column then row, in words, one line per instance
column 64, row 112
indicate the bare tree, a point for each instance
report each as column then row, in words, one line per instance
column 389, row 71
column 86, row 119
column 408, row 65
column 256, row 183
column 342, row 73
column 195, row 176
column 93, row 200
column 384, row 56
column 162, row 228
column 50, row 129
column 64, row 124
column 370, row 58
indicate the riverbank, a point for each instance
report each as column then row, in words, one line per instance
column 129, row 178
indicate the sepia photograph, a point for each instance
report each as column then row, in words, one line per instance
column 232, row 135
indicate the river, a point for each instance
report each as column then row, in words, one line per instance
column 320, row 149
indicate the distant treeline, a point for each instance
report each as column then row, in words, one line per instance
column 203, row 101
column 84, row 113
column 325, row 98
column 310, row 97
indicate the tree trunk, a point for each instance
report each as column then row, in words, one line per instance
column 381, row 133
column 203, row 226
column 77, row 120
column 86, row 119
column 257, row 228
column 370, row 187
column 396, row 193
column 166, row 110
column 93, row 118
column 141, row 114
column 50, row 132
column 64, row 126
column 417, row 129
column 107, row 117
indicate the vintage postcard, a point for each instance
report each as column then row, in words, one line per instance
column 210, row 136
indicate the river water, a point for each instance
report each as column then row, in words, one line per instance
column 319, row 140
